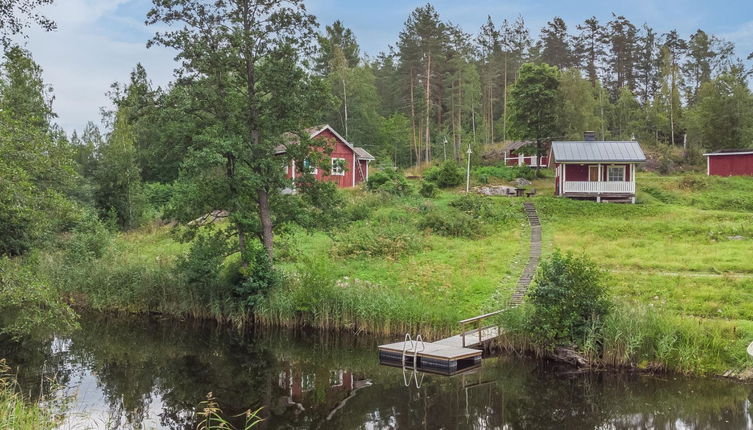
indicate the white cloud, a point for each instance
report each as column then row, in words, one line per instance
column 80, row 62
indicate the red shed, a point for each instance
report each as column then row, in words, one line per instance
column 350, row 164
column 730, row 162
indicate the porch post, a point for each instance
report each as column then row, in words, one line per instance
column 564, row 179
column 598, row 186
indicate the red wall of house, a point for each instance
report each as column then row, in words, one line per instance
column 339, row 150
column 362, row 174
column 731, row 165
column 579, row 172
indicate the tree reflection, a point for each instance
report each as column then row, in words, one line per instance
column 152, row 372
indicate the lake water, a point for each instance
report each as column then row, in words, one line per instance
column 119, row 372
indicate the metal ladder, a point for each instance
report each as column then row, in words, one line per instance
column 414, row 346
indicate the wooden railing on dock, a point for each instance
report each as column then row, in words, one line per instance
column 479, row 328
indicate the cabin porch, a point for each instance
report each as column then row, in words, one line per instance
column 598, row 181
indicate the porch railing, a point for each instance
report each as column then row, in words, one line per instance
column 596, row 187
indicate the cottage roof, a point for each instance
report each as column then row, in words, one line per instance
column 596, row 151
column 361, row 153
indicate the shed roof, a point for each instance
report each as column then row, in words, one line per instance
column 362, row 154
column 595, row 151
column 746, row 151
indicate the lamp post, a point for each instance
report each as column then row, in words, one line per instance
column 468, row 170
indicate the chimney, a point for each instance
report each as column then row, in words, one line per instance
column 589, row 136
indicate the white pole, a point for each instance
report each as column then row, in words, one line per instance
column 468, row 170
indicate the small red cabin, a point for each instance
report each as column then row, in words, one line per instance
column 350, row 164
column 515, row 155
column 730, row 162
column 590, row 169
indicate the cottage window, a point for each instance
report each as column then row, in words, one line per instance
column 616, row 174
column 338, row 167
column 308, row 167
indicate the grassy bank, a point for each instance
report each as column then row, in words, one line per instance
column 680, row 268
column 391, row 265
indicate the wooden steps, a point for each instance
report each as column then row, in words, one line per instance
column 534, row 255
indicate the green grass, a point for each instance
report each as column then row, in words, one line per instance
column 685, row 251
column 682, row 259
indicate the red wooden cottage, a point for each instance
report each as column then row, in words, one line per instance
column 730, row 162
column 516, row 155
column 596, row 170
column 350, row 164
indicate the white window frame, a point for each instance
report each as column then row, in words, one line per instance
column 338, row 170
column 609, row 173
column 307, row 166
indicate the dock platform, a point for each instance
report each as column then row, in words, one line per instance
column 432, row 357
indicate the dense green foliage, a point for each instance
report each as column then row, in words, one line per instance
column 569, row 299
column 446, row 175
column 390, row 181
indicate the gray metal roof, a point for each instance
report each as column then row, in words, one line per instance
column 582, row 151
column 362, row 154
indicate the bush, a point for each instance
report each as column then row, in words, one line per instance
column 88, row 241
column 28, row 305
column 260, row 277
column 569, row 299
column 505, row 173
column 202, row 264
column 390, row 181
column 450, row 222
column 428, row 190
column 448, row 174
column 378, row 239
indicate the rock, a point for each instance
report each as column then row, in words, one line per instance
column 736, row 237
column 570, row 356
column 522, row 182
column 494, row 190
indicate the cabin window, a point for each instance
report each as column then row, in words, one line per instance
column 616, row 173
column 338, row 167
column 308, row 167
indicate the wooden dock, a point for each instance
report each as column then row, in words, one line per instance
column 463, row 351
column 447, row 356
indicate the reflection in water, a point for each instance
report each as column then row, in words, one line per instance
column 151, row 373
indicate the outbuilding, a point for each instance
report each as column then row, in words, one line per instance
column 599, row 170
column 730, row 162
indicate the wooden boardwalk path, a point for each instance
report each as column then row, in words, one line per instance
column 463, row 351
column 534, row 255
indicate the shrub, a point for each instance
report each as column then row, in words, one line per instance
column 569, row 298
column 448, row 174
column 201, row 265
column 88, row 241
column 428, row 190
column 390, row 181
column 28, row 305
column 378, row 239
column 505, row 173
column 451, row 222
column 259, row 278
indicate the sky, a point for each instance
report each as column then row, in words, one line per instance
column 98, row 42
